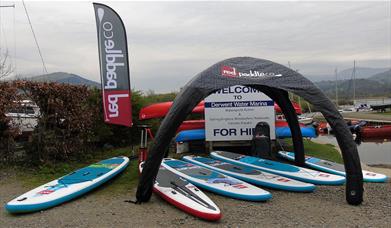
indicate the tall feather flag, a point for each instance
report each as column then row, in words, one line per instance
column 114, row 66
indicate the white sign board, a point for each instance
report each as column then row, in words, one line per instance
column 232, row 113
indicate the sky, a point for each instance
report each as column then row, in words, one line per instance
column 170, row 42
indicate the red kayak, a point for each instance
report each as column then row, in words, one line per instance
column 296, row 106
column 382, row 131
column 283, row 123
column 160, row 110
column 191, row 125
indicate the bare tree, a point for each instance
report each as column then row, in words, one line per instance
column 5, row 67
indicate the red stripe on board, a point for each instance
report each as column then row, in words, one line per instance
column 200, row 214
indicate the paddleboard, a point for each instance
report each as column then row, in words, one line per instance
column 291, row 171
column 332, row 167
column 215, row 182
column 67, row 187
column 179, row 192
column 251, row 175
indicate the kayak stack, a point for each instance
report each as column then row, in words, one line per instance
column 281, row 132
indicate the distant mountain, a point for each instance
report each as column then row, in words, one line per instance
column 361, row 72
column 364, row 88
column 384, row 77
column 319, row 77
column 62, row 77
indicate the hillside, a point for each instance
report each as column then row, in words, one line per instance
column 62, row 77
column 364, row 88
column 384, row 77
column 361, row 72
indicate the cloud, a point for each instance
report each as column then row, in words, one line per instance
column 169, row 42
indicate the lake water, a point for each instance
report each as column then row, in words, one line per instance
column 371, row 153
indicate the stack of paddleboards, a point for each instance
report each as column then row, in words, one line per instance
column 68, row 187
column 332, row 167
column 232, row 176
column 179, row 181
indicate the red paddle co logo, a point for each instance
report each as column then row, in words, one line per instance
column 231, row 72
column 117, row 103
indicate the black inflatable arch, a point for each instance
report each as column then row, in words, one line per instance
column 272, row 79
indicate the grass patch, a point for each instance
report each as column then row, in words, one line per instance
column 127, row 180
column 322, row 151
column 34, row 177
column 383, row 113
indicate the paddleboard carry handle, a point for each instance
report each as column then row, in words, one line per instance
column 189, row 194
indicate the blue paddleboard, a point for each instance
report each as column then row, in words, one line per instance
column 251, row 175
column 332, row 167
column 291, row 171
column 215, row 182
column 67, row 187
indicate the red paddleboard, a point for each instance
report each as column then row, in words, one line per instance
column 184, row 195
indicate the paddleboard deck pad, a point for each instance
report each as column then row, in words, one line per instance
column 333, row 167
column 67, row 187
column 291, row 171
column 251, row 175
column 215, row 182
column 184, row 195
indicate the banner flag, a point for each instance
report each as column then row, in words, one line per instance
column 114, row 66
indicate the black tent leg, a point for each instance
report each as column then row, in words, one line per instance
column 282, row 99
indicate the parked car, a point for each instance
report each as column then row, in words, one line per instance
column 24, row 116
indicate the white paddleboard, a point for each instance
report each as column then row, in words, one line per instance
column 291, row 171
column 251, row 175
column 333, row 167
column 67, row 187
column 184, row 195
column 215, row 182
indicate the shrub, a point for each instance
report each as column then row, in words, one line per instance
column 70, row 123
column 7, row 132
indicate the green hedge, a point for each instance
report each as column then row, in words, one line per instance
column 70, row 125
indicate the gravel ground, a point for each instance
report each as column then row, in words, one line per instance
column 325, row 207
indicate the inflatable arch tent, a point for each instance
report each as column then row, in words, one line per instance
column 272, row 79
